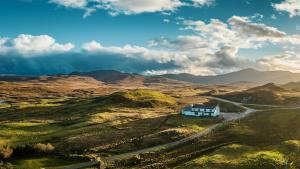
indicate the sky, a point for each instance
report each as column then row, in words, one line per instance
column 201, row 37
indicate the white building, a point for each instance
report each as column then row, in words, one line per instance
column 200, row 110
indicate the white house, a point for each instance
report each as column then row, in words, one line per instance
column 200, row 110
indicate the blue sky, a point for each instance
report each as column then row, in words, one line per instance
column 152, row 29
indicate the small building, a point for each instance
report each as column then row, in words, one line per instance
column 200, row 110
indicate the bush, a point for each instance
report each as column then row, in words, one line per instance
column 43, row 148
column 5, row 152
column 266, row 160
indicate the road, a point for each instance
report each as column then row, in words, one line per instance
column 228, row 117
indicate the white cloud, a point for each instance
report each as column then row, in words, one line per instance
column 29, row 45
column 288, row 61
column 215, row 45
column 290, row 6
column 134, row 51
column 273, row 16
column 166, row 20
column 129, row 7
column 71, row 3
column 203, row 2
column 240, row 32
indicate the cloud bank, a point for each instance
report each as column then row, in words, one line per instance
column 292, row 7
column 28, row 45
column 129, row 7
column 212, row 48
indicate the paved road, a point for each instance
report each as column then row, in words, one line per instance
column 227, row 116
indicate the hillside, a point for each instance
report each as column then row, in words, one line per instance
column 108, row 76
column 246, row 75
column 50, row 86
column 137, row 98
column 268, row 94
column 292, row 86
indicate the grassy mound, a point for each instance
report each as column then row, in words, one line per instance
column 268, row 94
column 240, row 157
column 139, row 98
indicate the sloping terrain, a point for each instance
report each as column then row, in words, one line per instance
column 261, row 145
column 246, row 75
column 109, row 76
column 292, row 86
column 264, row 140
column 109, row 124
column 51, row 86
column 112, row 77
column 268, row 94
column 138, row 98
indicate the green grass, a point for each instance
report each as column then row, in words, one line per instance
column 264, row 140
column 196, row 124
column 264, row 107
column 14, row 133
column 267, row 139
column 139, row 98
column 41, row 162
column 242, row 159
column 226, row 107
column 77, row 125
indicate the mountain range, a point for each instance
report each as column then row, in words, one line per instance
column 246, row 75
column 250, row 76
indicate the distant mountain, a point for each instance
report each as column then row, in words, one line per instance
column 246, row 75
column 108, row 76
column 129, row 79
column 292, row 86
column 9, row 78
column 269, row 94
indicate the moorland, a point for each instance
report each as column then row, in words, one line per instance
column 64, row 120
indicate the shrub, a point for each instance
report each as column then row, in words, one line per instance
column 266, row 160
column 43, row 148
column 135, row 160
column 5, row 152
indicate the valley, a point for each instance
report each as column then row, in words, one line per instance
column 132, row 121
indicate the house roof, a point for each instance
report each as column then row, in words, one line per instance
column 202, row 106
column 199, row 106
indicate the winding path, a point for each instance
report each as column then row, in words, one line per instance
column 228, row 117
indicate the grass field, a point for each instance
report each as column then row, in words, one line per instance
column 50, row 162
column 264, row 140
column 131, row 120
column 106, row 125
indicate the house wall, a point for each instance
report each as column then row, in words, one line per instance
column 217, row 111
column 202, row 112
column 199, row 114
column 187, row 113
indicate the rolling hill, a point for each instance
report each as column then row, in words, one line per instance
column 138, row 98
column 292, row 86
column 128, row 79
column 269, row 94
column 108, row 76
column 246, row 75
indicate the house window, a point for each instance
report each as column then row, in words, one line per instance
column 196, row 113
